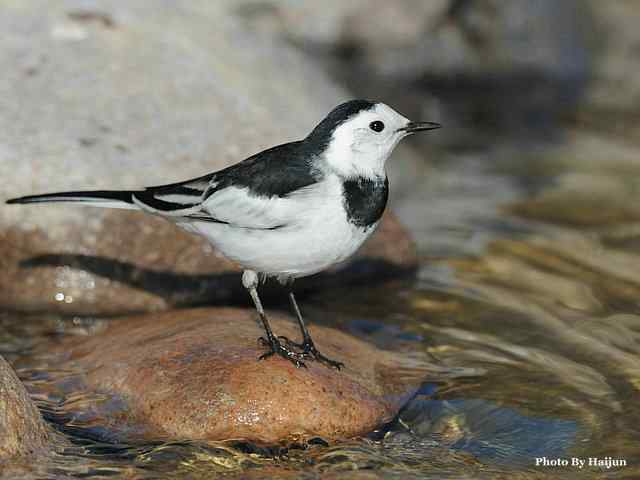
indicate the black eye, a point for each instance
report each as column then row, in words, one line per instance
column 376, row 126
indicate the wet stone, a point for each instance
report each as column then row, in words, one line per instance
column 22, row 429
column 143, row 263
column 194, row 374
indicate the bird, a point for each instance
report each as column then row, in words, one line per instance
column 287, row 212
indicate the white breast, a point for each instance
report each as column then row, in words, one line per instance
column 315, row 233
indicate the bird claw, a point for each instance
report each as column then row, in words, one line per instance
column 316, row 355
column 283, row 350
column 308, row 351
column 286, row 348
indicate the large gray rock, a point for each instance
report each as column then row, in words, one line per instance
column 22, row 430
column 370, row 23
column 99, row 94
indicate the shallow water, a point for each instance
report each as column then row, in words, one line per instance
column 530, row 270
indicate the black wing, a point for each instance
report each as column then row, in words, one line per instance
column 244, row 194
column 276, row 172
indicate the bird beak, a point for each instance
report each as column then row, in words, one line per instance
column 413, row 127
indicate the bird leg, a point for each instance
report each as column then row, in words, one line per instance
column 250, row 282
column 307, row 347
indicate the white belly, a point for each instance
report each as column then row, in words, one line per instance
column 316, row 236
column 294, row 251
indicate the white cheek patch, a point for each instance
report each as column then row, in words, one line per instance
column 362, row 140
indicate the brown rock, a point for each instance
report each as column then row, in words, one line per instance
column 22, row 429
column 143, row 263
column 194, row 374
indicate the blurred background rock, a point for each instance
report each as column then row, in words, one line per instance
column 485, row 67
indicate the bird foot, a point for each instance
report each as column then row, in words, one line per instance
column 282, row 349
column 308, row 351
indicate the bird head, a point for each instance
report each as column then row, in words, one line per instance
column 356, row 138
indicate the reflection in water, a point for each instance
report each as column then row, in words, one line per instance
column 527, row 278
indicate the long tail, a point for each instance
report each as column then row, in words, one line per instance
column 96, row 198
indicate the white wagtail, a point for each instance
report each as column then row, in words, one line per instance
column 287, row 212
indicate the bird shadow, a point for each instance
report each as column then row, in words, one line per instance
column 216, row 289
